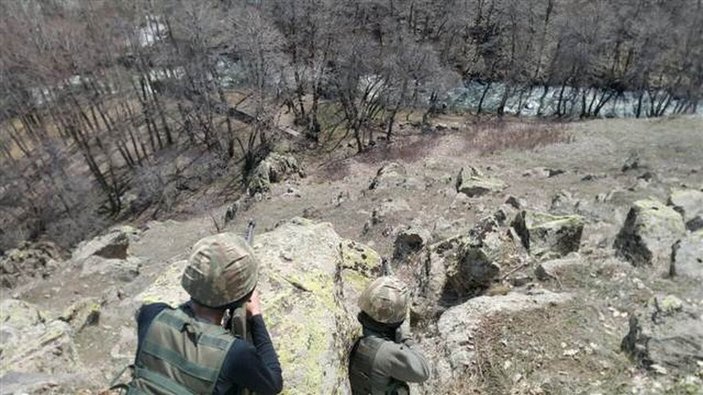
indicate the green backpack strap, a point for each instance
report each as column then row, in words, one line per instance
column 123, row 387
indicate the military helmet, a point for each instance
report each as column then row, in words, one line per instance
column 222, row 269
column 385, row 300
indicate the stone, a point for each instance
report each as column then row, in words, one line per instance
column 632, row 162
column 688, row 203
column 311, row 278
column 474, row 183
column 649, row 231
column 112, row 245
column 666, row 332
column 388, row 208
column 410, row 240
column 564, row 203
column 30, row 342
column 548, row 235
column 28, row 261
column 555, row 268
column 514, row 202
column 83, row 313
column 389, row 176
column 124, row 270
column 454, row 348
column 687, row 256
column 275, row 168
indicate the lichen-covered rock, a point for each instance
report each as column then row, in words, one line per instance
column 112, row 245
column 650, row 229
column 28, row 261
column 474, row 183
column 30, row 342
column 309, row 280
column 666, row 333
column 549, row 235
column 271, row 170
column 688, row 203
column 687, row 256
column 83, row 313
column 390, row 175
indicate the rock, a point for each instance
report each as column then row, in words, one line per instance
column 390, row 175
column 555, row 268
column 563, row 203
column 28, row 261
column 688, row 203
column 454, row 348
column 310, row 278
column 687, row 256
column 410, row 240
column 120, row 269
column 29, row 342
column 271, row 170
column 112, row 245
column 388, row 208
column 514, row 202
column 537, row 172
column 85, row 312
column 667, row 333
column 544, row 234
column 648, row 233
column 632, row 162
column 476, row 184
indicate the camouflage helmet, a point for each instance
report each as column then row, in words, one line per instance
column 222, row 269
column 385, row 300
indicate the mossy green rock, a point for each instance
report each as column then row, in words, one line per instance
column 309, row 281
column 549, row 235
column 650, row 230
column 29, row 342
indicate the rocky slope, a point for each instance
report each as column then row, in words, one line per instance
column 572, row 267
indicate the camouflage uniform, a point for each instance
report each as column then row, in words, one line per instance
column 383, row 360
column 181, row 354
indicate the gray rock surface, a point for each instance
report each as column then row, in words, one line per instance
column 687, row 256
column 409, row 240
column 390, row 175
column 547, row 235
column 473, row 183
column 688, row 203
column 112, row 245
column 649, row 231
column 666, row 333
column 555, row 268
column 271, row 170
column 29, row 261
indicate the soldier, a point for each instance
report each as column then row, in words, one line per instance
column 186, row 350
column 383, row 360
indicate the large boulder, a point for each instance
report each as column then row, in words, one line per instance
column 453, row 351
column 687, row 256
column 390, row 175
column 667, row 332
column 309, row 281
column 473, row 183
column 112, row 245
column 271, row 170
column 463, row 266
column 28, row 261
column 31, row 342
column 547, row 235
column 688, row 203
column 650, row 229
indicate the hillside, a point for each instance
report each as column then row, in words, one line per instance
column 504, row 300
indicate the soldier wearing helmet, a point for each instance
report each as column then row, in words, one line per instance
column 186, row 350
column 383, row 360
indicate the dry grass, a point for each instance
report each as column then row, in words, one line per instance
column 486, row 137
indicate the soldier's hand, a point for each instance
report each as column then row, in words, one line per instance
column 254, row 305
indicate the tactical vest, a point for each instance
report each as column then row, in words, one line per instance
column 179, row 355
column 361, row 368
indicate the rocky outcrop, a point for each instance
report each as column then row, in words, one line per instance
column 29, row 261
column 687, row 256
column 649, row 231
column 473, row 183
column 409, row 240
column 390, row 175
column 463, row 266
column 30, row 342
column 547, row 235
column 454, row 349
column 555, row 268
column 668, row 333
column 309, row 281
column 564, row 203
column 109, row 255
column 271, row 170
column 83, row 313
column 688, row 203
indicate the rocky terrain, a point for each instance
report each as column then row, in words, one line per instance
column 541, row 261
